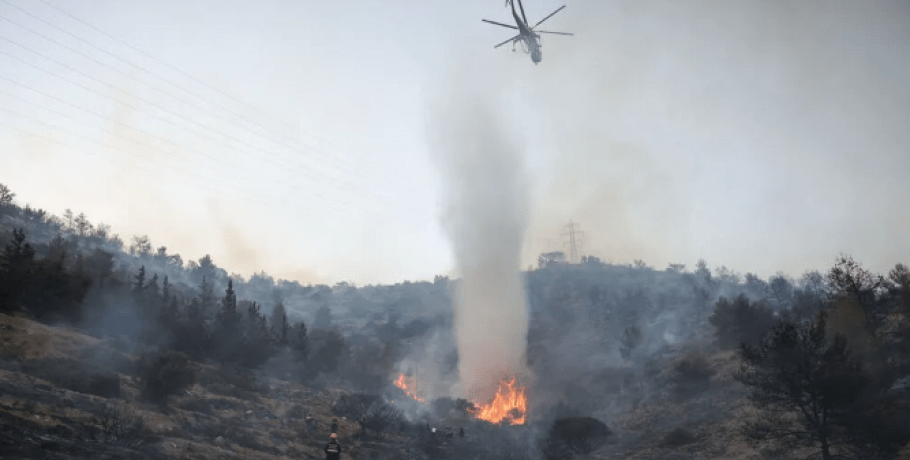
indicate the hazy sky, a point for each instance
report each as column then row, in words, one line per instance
column 763, row 136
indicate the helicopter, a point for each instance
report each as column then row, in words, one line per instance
column 529, row 38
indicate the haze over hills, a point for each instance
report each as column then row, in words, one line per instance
column 143, row 356
column 762, row 137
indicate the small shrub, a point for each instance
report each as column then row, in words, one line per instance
column 248, row 439
column 295, row 412
column 247, row 381
column 203, row 406
column 512, row 450
column 354, row 405
column 738, row 320
column 164, row 375
column 106, row 386
column 206, row 428
column 120, row 426
column 574, row 436
column 382, row 418
column 225, row 389
column 691, row 375
column 678, row 437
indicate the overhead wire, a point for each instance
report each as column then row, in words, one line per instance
column 175, row 151
column 127, row 75
column 302, row 170
column 280, row 166
column 57, row 141
column 197, row 80
column 142, row 69
column 198, row 185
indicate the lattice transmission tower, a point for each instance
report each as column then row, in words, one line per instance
column 573, row 238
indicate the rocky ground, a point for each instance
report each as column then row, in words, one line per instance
column 65, row 395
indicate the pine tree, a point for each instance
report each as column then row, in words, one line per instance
column 194, row 312
column 68, row 220
column 16, row 267
column 165, row 290
column 139, row 283
column 6, row 196
column 797, row 369
column 207, row 300
column 228, row 313
column 83, row 226
column 299, row 340
column 151, row 291
column 227, row 347
column 280, row 324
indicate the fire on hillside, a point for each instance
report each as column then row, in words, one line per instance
column 509, row 405
column 408, row 386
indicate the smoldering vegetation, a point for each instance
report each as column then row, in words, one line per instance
column 113, row 349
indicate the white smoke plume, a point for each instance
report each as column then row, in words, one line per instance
column 486, row 217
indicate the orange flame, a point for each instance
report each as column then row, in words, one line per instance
column 405, row 386
column 510, row 405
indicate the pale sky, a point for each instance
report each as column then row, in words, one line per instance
column 762, row 136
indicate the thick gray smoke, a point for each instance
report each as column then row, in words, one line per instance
column 486, row 217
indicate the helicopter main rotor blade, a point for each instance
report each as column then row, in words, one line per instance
column 499, row 24
column 522, row 7
column 550, row 16
column 507, row 41
column 556, row 33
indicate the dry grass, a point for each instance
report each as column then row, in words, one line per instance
column 256, row 425
column 22, row 339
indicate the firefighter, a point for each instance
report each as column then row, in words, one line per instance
column 334, row 425
column 333, row 449
column 461, row 432
column 363, row 425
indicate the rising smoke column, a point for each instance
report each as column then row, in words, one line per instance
column 486, row 217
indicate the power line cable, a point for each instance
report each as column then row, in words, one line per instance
column 159, row 107
column 176, row 150
column 142, row 69
column 127, row 104
column 222, row 192
column 219, row 192
column 174, row 68
column 142, row 99
column 95, row 141
column 305, row 171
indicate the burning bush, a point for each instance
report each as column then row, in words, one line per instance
column 441, row 407
column 573, row 436
column 510, row 405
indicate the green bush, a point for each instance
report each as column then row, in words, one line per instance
column 164, row 375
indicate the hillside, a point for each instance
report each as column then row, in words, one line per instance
column 60, row 387
column 113, row 353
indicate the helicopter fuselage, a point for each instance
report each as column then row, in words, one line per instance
column 528, row 36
